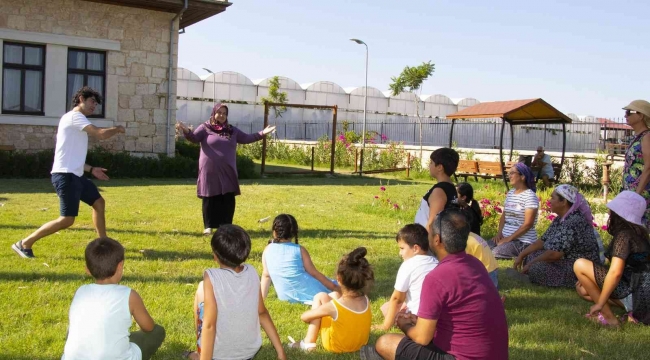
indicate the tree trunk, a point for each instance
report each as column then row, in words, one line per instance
column 417, row 113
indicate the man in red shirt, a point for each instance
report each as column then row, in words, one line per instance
column 461, row 315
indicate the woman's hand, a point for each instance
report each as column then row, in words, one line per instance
column 497, row 238
column 269, row 129
column 182, row 127
column 525, row 269
column 595, row 309
column 519, row 261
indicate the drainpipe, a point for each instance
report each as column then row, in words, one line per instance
column 169, row 77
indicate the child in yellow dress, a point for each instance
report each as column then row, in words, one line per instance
column 343, row 320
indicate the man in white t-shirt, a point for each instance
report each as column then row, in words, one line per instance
column 413, row 245
column 543, row 166
column 68, row 169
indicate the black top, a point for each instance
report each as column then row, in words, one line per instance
column 450, row 191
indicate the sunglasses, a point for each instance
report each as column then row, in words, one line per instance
column 630, row 112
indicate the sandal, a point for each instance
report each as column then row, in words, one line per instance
column 305, row 346
column 600, row 319
column 628, row 318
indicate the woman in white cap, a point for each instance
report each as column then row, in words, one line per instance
column 636, row 171
column 629, row 269
column 571, row 236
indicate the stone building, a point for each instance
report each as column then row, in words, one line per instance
column 125, row 49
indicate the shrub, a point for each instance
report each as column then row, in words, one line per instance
column 19, row 164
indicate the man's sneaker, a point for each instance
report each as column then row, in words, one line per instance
column 207, row 232
column 20, row 250
column 368, row 352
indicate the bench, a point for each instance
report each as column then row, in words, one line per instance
column 490, row 170
column 466, row 168
column 7, row 148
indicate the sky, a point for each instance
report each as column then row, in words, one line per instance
column 583, row 57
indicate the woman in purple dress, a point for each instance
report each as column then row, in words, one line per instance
column 218, row 183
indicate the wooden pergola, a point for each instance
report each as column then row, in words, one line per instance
column 513, row 112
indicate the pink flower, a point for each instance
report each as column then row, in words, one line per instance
column 551, row 217
column 486, row 214
column 594, row 224
column 376, row 196
column 383, row 188
column 384, row 137
column 604, row 228
column 395, row 206
column 498, row 209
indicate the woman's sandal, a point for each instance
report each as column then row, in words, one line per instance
column 628, row 318
column 600, row 320
column 305, row 346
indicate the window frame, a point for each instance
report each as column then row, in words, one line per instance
column 23, row 68
column 85, row 73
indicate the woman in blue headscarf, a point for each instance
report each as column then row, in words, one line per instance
column 519, row 216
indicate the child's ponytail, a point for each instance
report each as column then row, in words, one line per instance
column 355, row 271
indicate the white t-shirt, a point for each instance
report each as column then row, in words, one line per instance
column 100, row 319
column 515, row 208
column 410, row 277
column 71, row 144
column 548, row 168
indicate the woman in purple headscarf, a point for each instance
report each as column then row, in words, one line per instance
column 571, row 236
column 218, row 183
column 519, row 217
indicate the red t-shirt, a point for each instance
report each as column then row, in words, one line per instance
column 471, row 319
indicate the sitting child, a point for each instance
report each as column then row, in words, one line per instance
column 344, row 319
column 289, row 265
column 479, row 248
column 414, row 249
column 100, row 313
column 470, row 207
column 233, row 292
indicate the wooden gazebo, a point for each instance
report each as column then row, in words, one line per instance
column 514, row 112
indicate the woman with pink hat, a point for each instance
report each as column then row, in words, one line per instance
column 218, row 183
column 636, row 171
column 629, row 269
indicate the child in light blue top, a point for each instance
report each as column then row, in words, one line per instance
column 289, row 266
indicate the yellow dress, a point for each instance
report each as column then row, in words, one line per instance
column 348, row 332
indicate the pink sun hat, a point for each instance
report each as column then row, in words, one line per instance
column 630, row 206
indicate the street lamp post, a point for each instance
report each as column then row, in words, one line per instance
column 365, row 100
column 365, row 105
column 214, row 88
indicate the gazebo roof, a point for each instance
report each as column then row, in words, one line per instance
column 516, row 112
column 612, row 125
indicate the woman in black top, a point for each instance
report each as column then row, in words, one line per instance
column 443, row 164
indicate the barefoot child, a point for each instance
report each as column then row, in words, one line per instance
column 289, row 265
column 344, row 319
column 100, row 313
column 413, row 245
column 228, row 306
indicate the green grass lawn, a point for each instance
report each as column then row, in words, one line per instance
column 159, row 223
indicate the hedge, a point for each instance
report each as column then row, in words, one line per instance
column 19, row 164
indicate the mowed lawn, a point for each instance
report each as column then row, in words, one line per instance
column 159, row 223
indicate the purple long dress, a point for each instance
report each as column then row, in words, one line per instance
column 218, row 160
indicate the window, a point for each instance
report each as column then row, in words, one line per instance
column 23, row 70
column 87, row 68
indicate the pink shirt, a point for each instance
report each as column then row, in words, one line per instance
column 471, row 319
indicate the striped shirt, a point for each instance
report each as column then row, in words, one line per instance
column 514, row 209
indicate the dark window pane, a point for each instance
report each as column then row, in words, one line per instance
column 11, row 90
column 33, row 84
column 76, row 59
column 13, row 54
column 75, row 82
column 97, row 83
column 95, row 61
column 33, row 56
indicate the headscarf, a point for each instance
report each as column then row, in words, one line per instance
column 579, row 203
column 224, row 129
column 528, row 174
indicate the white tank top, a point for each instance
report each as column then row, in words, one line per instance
column 238, row 333
column 100, row 319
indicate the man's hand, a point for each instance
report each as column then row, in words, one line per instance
column 404, row 319
column 99, row 173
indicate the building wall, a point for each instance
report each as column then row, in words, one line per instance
column 136, row 42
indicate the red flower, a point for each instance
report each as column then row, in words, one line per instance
column 604, row 228
column 395, row 206
column 498, row 209
column 383, row 188
column 551, row 217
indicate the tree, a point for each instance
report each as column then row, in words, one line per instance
column 276, row 96
column 410, row 80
